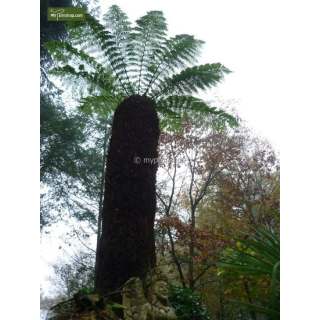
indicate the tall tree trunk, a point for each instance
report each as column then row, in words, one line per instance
column 105, row 140
column 127, row 246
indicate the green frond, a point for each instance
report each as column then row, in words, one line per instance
column 103, row 105
column 81, row 36
column 169, row 120
column 148, row 39
column 176, row 53
column 192, row 79
column 173, row 109
column 119, row 45
column 64, row 52
column 69, row 75
column 113, row 45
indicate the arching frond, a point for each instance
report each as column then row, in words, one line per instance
column 104, row 104
column 65, row 52
column 191, row 80
column 101, row 82
column 112, row 44
column 193, row 109
column 169, row 119
column 178, row 52
column 81, row 35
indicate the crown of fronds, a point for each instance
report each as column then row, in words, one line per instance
column 113, row 60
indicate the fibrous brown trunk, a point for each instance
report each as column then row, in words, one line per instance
column 127, row 246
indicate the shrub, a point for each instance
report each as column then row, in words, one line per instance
column 187, row 304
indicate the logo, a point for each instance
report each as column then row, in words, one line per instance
column 66, row 14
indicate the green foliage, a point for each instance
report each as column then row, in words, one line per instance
column 62, row 306
column 191, row 80
column 52, row 31
column 115, row 60
column 194, row 110
column 258, row 258
column 61, row 137
column 85, row 291
column 187, row 304
column 115, row 306
column 72, row 149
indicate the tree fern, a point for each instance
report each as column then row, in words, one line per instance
column 120, row 60
column 141, row 75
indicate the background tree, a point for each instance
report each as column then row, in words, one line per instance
column 73, row 148
column 74, row 275
column 249, row 187
column 204, row 164
column 61, row 137
column 64, row 132
column 192, row 245
column 118, row 61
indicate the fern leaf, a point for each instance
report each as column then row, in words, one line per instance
column 192, row 79
column 100, row 82
column 119, row 45
column 65, row 52
column 174, row 109
column 148, row 39
column 177, row 53
column 110, row 45
column 103, row 105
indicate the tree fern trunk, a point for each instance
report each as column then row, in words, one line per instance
column 127, row 246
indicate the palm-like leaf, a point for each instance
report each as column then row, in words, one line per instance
column 256, row 257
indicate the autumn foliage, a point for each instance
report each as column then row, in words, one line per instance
column 214, row 184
